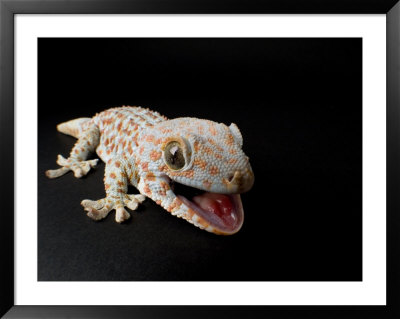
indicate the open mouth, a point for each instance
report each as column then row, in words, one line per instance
column 224, row 212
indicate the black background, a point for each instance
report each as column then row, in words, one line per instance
column 298, row 105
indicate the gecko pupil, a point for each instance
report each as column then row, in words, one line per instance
column 173, row 155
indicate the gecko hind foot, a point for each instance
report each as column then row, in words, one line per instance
column 80, row 168
column 99, row 209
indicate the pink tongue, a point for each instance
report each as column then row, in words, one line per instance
column 218, row 204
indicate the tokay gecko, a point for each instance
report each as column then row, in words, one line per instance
column 195, row 169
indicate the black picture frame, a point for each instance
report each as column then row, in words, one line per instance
column 8, row 10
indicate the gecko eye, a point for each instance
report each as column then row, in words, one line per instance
column 173, row 156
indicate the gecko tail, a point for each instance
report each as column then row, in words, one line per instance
column 74, row 127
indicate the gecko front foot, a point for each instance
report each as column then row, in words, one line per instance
column 80, row 168
column 99, row 209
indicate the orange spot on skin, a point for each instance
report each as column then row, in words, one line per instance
column 211, row 141
column 158, row 202
column 162, row 192
column 229, row 140
column 149, row 138
column 232, row 161
column 118, row 164
column 119, row 126
column 163, row 168
column 164, row 185
column 175, row 205
column 232, row 151
column 155, row 155
column 112, row 175
column 76, row 151
column 108, row 152
column 100, row 152
column 120, row 184
column 200, row 163
column 208, row 150
column 190, row 213
column 214, row 170
column 188, row 173
column 207, row 184
column 130, row 150
column 196, row 146
column 147, row 190
column 150, row 177
column 202, row 222
column 166, row 131
column 145, row 166
column 218, row 156
column 106, row 186
column 212, row 130
column 106, row 142
column 141, row 150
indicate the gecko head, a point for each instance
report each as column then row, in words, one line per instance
column 206, row 167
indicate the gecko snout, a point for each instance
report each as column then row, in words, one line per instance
column 239, row 182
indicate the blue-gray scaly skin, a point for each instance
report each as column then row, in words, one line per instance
column 144, row 149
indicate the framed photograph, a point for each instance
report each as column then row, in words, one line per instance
column 174, row 159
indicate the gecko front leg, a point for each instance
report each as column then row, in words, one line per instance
column 117, row 173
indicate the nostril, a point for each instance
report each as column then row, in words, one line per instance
column 231, row 177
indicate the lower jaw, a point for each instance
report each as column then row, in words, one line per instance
column 216, row 225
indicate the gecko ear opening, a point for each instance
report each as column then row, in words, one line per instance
column 236, row 134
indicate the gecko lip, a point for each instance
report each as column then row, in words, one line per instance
column 224, row 212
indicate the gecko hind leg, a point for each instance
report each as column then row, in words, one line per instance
column 80, row 168
column 76, row 162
